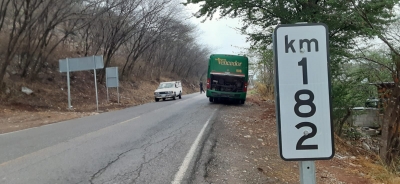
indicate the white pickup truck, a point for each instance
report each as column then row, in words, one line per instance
column 171, row 89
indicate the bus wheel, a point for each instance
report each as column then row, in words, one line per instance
column 211, row 99
column 242, row 101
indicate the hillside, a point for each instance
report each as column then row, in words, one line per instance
column 49, row 100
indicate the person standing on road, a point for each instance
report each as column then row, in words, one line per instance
column 201, row 87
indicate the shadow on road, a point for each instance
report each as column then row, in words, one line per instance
column 227, row 102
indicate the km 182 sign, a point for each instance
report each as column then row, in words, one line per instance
column 302, row 92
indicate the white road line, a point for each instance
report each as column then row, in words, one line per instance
column 185, row 164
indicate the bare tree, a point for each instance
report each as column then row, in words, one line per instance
column 66, row 17
column 4, row 5
column 21, row 15
column 122, row 21
column 150, row 31
column 179, row 54
column 390, row 142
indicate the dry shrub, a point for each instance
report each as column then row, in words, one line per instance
column 379, row 173
column 265, row 91
column 372, row 165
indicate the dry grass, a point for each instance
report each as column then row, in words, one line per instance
column 370, row 162
column 265, row 91
column 379, row 173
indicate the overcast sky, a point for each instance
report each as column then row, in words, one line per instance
column 219, row 34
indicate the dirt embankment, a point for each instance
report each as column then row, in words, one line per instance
column 49, row 101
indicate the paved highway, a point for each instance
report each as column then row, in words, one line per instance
column 151, row 143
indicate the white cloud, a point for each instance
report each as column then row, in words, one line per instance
column 219, row 33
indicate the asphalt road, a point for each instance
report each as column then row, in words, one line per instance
column 151, row 143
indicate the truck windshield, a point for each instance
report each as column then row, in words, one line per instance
column 166, row 85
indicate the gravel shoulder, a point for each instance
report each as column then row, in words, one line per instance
column 243, row 148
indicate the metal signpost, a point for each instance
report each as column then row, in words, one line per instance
column 81, row 64
column 250, row 82
column 112, row 79
column 302, row 92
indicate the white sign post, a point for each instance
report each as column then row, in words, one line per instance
column 80, row 64
column 302, row 93
column 112, row 80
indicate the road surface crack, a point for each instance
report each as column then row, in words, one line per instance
column 101, row 171
column 139, row 170
column 145, row 146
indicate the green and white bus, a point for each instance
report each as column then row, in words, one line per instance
column 227, row 78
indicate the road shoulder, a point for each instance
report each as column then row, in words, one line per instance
column 243, row 148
